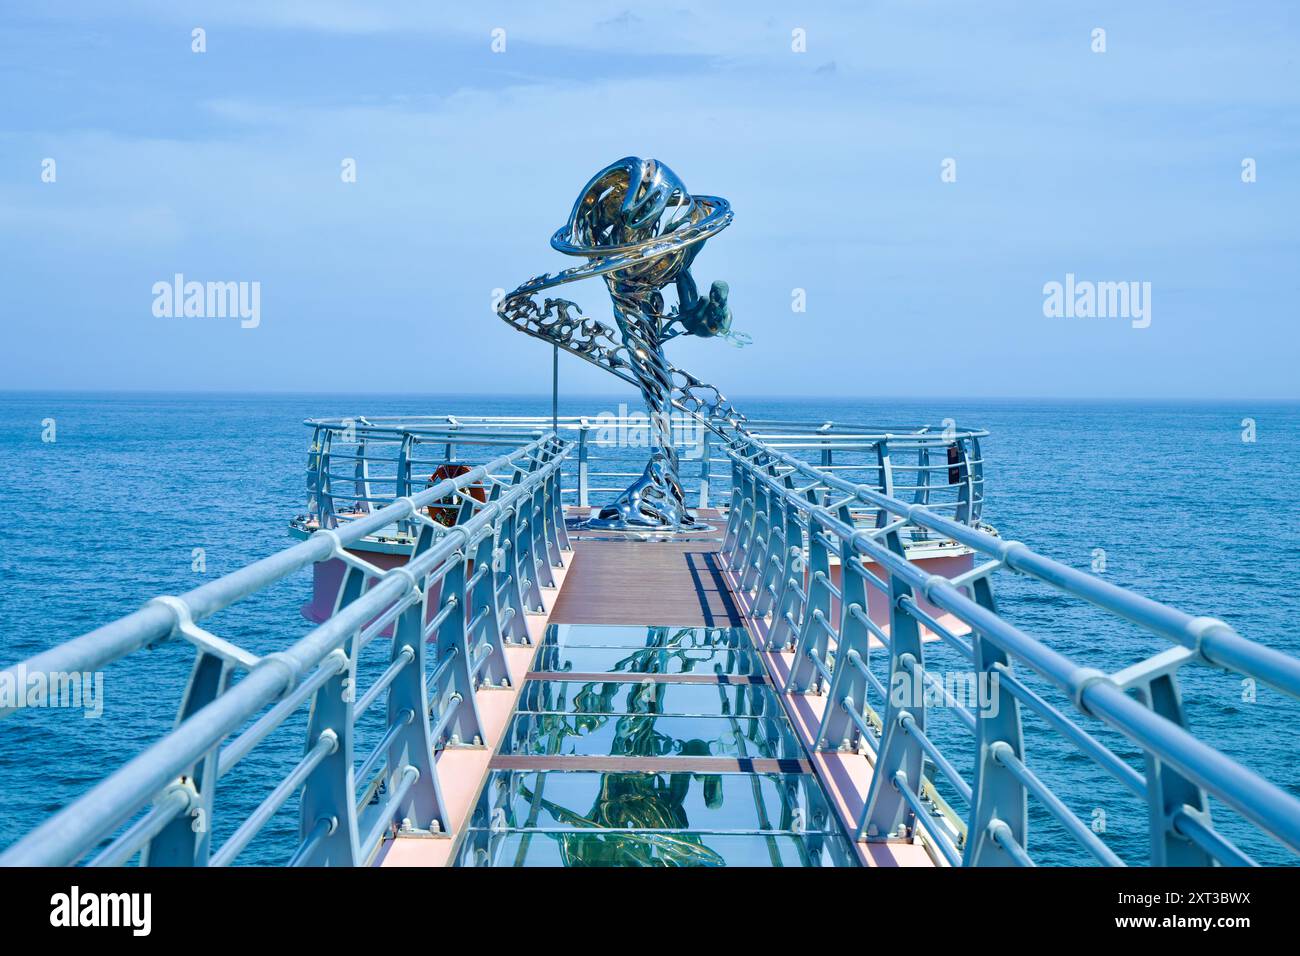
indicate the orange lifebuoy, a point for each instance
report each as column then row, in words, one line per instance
column 445, row 510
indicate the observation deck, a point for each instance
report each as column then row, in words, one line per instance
column 818, row 675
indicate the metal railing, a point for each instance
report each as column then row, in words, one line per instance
column 449, row 612
column 791, row 523
column 356, row 464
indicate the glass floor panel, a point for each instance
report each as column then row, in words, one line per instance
column 602, row 735
column 648, row 660
column 586, row 766
column 585, row 848
column 619, row 635
column 703, row 802
column 649, row 697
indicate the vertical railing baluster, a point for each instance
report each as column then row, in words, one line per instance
column 996, row 793
column 886, row 815
column 527, row 554
column 457, row 720
column 539, row 518
column 361, row 477
column 787, row 605
column 482, row 609
column 511, row 571
column 772, row 559
column 1168, row 791
column 329, row 793
column 422, row 807
column 735, row 513
column 706, row 466
column 313, row 475
column 964, row 493
column 557, row 535
column 885, row 467
column 584, row 466
column 814, row 641
column 848, row 690
column 324, row 486
column 186, row 839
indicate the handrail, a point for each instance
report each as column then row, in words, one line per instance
column 938, row 466
column 517, row 534
column 789, row 519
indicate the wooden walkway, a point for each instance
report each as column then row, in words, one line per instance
column 677, row 582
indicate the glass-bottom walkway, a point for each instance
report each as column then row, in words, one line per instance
column 650, row 746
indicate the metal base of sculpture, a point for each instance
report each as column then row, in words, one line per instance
column 639, row 228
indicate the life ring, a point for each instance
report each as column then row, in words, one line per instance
column 446, row 510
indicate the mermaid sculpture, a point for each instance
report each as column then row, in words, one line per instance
column 636, row 225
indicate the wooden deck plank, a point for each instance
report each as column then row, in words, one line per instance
column 651, row 583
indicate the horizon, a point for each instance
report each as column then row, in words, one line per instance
column 571, row 396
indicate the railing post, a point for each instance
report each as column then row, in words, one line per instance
column 509, row 571
column 526, row 554
column 539, row 520
column 584, row 467
column 361, row 476
column 1168, row 791
column 748, row 510
column 900, row 759
column 557, row 537
column 313, row 474
column 482, row 607
column 885, row 465
column 735, row 514
column 457, row 719
column 186, row 839
column 788, row 603
column 975, row 478
column 402, row 487
column 756, row 561
column 327, row 813
column 997, row 796
column 814, row 639
column 755, row 539
column 922, row 494
column 964, row 499
column 848, row 683
column 422, row 807
column 706, row 467
column 324, row 489
column 774, row 558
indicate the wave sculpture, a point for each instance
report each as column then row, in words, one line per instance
column 637, row 226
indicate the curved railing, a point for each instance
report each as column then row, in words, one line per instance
column 790, row 523
column 358, row 463
column 449, row 612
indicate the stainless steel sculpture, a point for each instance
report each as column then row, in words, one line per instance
column 638, row 226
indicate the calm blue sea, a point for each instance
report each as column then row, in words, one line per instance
column 108, row 515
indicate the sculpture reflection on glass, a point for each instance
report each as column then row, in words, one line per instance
column 637, row 225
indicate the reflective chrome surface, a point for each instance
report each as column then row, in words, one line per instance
column 638, row 226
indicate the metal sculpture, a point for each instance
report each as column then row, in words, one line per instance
column 639, row 228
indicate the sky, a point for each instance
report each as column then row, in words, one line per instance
column 834, row 129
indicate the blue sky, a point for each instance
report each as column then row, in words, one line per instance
column 225, row 166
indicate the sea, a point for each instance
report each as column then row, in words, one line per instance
column 110, row 499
